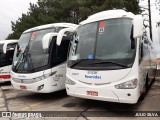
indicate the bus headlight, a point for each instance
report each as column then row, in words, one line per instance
column 132, row 84
column 69, row 81
column 43, row 76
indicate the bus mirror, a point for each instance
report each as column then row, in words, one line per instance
column 138, row 26
column 46, row 39
column 5, row 48
column 61, row 34
column 4, row 51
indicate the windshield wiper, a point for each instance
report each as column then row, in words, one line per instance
column 77, row 62
column 28, row 56
column 112, row 62
column 23, row 56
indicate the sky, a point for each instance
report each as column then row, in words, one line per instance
column 11, row 10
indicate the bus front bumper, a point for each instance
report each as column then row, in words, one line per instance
column 43, row 86
column 103, row 93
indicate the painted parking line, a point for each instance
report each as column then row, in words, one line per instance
column 33, row 105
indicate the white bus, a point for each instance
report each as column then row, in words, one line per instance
column 39, row 64
column 6, row 56
column 111, row 58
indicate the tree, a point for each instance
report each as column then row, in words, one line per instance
column 147, row 12
column 73, row 11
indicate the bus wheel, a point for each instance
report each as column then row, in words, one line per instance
column 154, row 79
column 145, row 89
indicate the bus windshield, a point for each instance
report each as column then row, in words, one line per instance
column 107, row 44
column 29, row 54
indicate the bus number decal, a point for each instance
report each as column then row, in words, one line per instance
column 93, row 72
column 101, row 27
column 33, row 35
column 75, row 74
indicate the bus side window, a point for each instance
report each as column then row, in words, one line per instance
column 59, row 53
column 140, row 52
column 10, row 52
column 63, row 49
column 143, row 43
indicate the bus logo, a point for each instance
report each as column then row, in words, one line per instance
column 25, row 65
column 93, row 76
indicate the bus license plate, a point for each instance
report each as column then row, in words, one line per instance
column 23, row 87
column 92, row 93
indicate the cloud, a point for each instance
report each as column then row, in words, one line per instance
column 11, row 10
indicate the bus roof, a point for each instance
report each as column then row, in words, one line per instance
column 108, row 14
column 51, row 25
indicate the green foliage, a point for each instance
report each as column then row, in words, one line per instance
column 73, row 11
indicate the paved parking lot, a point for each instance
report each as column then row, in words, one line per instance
column 14, row 100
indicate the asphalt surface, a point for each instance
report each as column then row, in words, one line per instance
column 15, row 100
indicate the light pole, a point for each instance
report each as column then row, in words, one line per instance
column 150, row 18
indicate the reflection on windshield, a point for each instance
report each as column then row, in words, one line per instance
column 107, row 40
column 22, row 43
column 29, row 54
column 6, row 59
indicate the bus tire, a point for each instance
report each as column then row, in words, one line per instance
column 145, row 89
column 154, row 79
